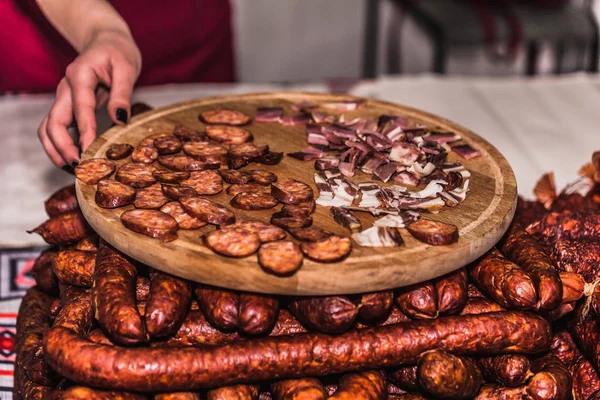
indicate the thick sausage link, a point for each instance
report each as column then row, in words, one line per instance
column 495, row 392
column 328, row 314
column 448, row 376
column 114, row 297
column 376, row 306
column 418, row 301
column 405, row 377
column 586, row 383
column 75, row 267
column 510, row 370
column 78, row 359
column 64, row 229
column 298, row 389
column 552, row 381
column 86, row 393
column 178, row 396
column 504, row 281
column 525, row 251
column 168, row 303
column 43, row 273
column 481, row 306
column 368, row 385
column 220, row 306
column 235, row 392
column 258, row 313
column 451, row 292
column 62, row 201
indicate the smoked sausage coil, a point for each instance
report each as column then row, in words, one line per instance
column 32, row 323
column 64, row 229
column 552, row 381
column 114, row 297
column 504, row 281
column 220, row 306
column 43, row 273
column 168, row 303
column 179, row 396
column 522, row 249
column 451, row 292
column 418, row 301
column 328, row 314
column 75, row 267
column 257, row 313
column 303, row 388
column 62, row 201
column 367, row 385
column 510, row 370
column 448, row 376
column 86, row 393
column 76, row 358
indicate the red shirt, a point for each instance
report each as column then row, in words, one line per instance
column 181, row 41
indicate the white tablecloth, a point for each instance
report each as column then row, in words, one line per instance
column 540, row 125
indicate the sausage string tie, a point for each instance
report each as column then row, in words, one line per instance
column 588, row 291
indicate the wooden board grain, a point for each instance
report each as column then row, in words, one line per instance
column 482, row 218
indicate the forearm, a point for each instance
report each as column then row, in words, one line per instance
column 80, row 21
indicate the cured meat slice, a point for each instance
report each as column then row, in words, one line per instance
column 185, row 163
column 149, row 140
column 228, row 134
column 292, row 192
column 150, row 197
column 184, row 220
column 232, row 176
column 207, row 182
column 262, row 177
column 207, row 211
column 144, row 154
column 303, row 209
column 233, row 190
column 186, row 134
column 287, row 222
column 433, row 232
column 119, row 151
column 237, row 163
column 465, row 151
column 113, row 194
column 282, row 258
column 331, row 249
column 94, row 170
column 225, row 117
column 254, row 201
column 174, row 192
column 232, row 242
column 166, row 176
column 137, row 175
column 311, row 234
column 270, row 158
column 153, row 223
column 206, row 151
column 268, row 114
column 343, row 217
column 266, row 233
column 167, row 145
column 247, row 150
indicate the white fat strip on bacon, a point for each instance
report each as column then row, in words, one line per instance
column 335, row 191
column 379, row 236
column 369, row 192
column 398, row 221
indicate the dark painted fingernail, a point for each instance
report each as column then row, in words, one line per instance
column 68, row 169
column 121, row 115
column 74, row 164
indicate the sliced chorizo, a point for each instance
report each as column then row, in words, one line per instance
column 175, row 192
column 151, row 197
column 207, row 182
column 119, row 151
column 232, row 242
column 331, row 249
column 144, row 154
column 206, row 151
column 434, row 233
column 270, row 158
column 266, row 233
column 287, row 222
column 235, row 189
column 262, row 177
column 303, row 209
column 186, row 163
column 94, row 170
column 207, row 211
column 228, row 134
column 310, row 234
column 168, row 176
column 235, row 177
column 246, row 151
column 153, row 223
column 224, row 117
column 184, row 220
column 254, row 201
column 114, row 194
column 166, row 145
column 137, row 175
column 186, row 134
column 292, row 192
column 281, row 258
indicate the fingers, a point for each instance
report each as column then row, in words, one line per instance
column 83, row 81
column 119, row 104
column 59, row 118
column 102, row 96
column 48, row 146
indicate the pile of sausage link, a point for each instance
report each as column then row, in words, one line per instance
column 522, row 322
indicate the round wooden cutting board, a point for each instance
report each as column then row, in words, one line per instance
column 482, row 218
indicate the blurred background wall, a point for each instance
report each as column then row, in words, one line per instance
column 302, row 40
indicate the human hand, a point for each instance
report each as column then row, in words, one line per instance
column 110, row 60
